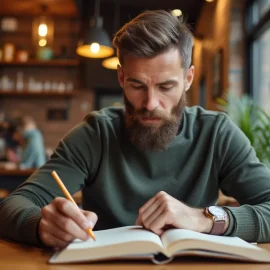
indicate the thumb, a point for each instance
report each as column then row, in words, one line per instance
column 91, row 217
column 138, row 221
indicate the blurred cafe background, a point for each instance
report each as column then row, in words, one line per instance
column 57, row 64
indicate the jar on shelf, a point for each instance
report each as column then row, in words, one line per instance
column 8, row 52
column 21, row 56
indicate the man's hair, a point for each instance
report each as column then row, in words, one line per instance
column 153, row 32
column 21, row 121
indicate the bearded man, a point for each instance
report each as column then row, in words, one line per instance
column 155, row 163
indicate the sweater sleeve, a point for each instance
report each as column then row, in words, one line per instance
column 245, row 178
column 75, row 163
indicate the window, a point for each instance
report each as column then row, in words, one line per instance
column 258, row 9
column 261, row 70
column 259, row 52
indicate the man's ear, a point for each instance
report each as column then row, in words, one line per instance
column 189, row 77
column 120, row 73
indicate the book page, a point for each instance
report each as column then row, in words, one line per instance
column 123, row 242
column 177, row 240
column 174, row 235
column 117, row 236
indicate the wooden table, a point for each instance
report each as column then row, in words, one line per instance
column 20, row 257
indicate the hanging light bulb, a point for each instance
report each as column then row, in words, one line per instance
column 96, row 43
column 42, row 42
column 177, row 12
column 42, row 29
column 95, row 47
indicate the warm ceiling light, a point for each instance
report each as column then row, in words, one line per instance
column 111, row 63
column 96, row 43
column 42, row 42
column 209, row 1
column 43, row 30
column 94, row 47
column 177, row 12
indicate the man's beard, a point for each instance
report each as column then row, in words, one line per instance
column 151, row 137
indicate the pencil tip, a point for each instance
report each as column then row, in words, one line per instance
column 91, row 234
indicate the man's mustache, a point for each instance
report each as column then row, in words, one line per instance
column 151, row 114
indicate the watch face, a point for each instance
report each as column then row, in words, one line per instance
column 217, row 211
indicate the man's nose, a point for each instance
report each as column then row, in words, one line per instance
column 151, row 100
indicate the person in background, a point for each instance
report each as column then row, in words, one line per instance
column 31, row 153
column 156, row 162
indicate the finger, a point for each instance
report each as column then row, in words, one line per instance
column 91, row 217
column 154, row 215
column 69, row 226
column 53, row 215
column 72, row 211
column 146, row 205
column 150, row 211
column 52, row 241
column 157, row 225
column 138, row 221
column 55, row 231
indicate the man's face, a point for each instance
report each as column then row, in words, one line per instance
column 154, row 91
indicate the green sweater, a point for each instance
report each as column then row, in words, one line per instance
column 116, row 178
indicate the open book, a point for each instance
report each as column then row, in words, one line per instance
column 134, row 242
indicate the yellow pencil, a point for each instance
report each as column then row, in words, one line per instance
column 69, row 197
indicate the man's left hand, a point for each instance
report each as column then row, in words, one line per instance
column 164, row 211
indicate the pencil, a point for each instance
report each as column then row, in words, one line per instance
column 69, row 197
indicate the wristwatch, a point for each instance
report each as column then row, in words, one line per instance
column 219, row 216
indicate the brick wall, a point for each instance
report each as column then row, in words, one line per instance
column 212, row 34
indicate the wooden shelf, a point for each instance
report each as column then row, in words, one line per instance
column 26, row 93
column 48, row 63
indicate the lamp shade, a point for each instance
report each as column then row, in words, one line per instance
column 96, row 44
column 111, row 63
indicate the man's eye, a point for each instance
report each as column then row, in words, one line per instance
column 137, row 86
column 166, row 88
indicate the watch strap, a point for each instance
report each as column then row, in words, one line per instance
column 218, row 227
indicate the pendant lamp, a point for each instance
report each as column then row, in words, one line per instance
column 42, row 29
column 113, row 62
column 96, row 43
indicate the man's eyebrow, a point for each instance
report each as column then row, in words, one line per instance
column 168, row 82
column 135, row 81
column 174, row 82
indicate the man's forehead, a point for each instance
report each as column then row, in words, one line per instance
column 166, row 59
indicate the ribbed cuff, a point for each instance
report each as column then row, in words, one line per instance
column 27, row 230
column 245, row 224
column 231, row 228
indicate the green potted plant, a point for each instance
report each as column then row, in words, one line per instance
column 252, row 120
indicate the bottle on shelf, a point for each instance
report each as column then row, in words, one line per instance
column 19, row 82
column 6, row 84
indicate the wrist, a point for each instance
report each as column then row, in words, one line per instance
column 204, row 223
column 220, row 220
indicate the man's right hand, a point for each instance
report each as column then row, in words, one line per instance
column 62, row 222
